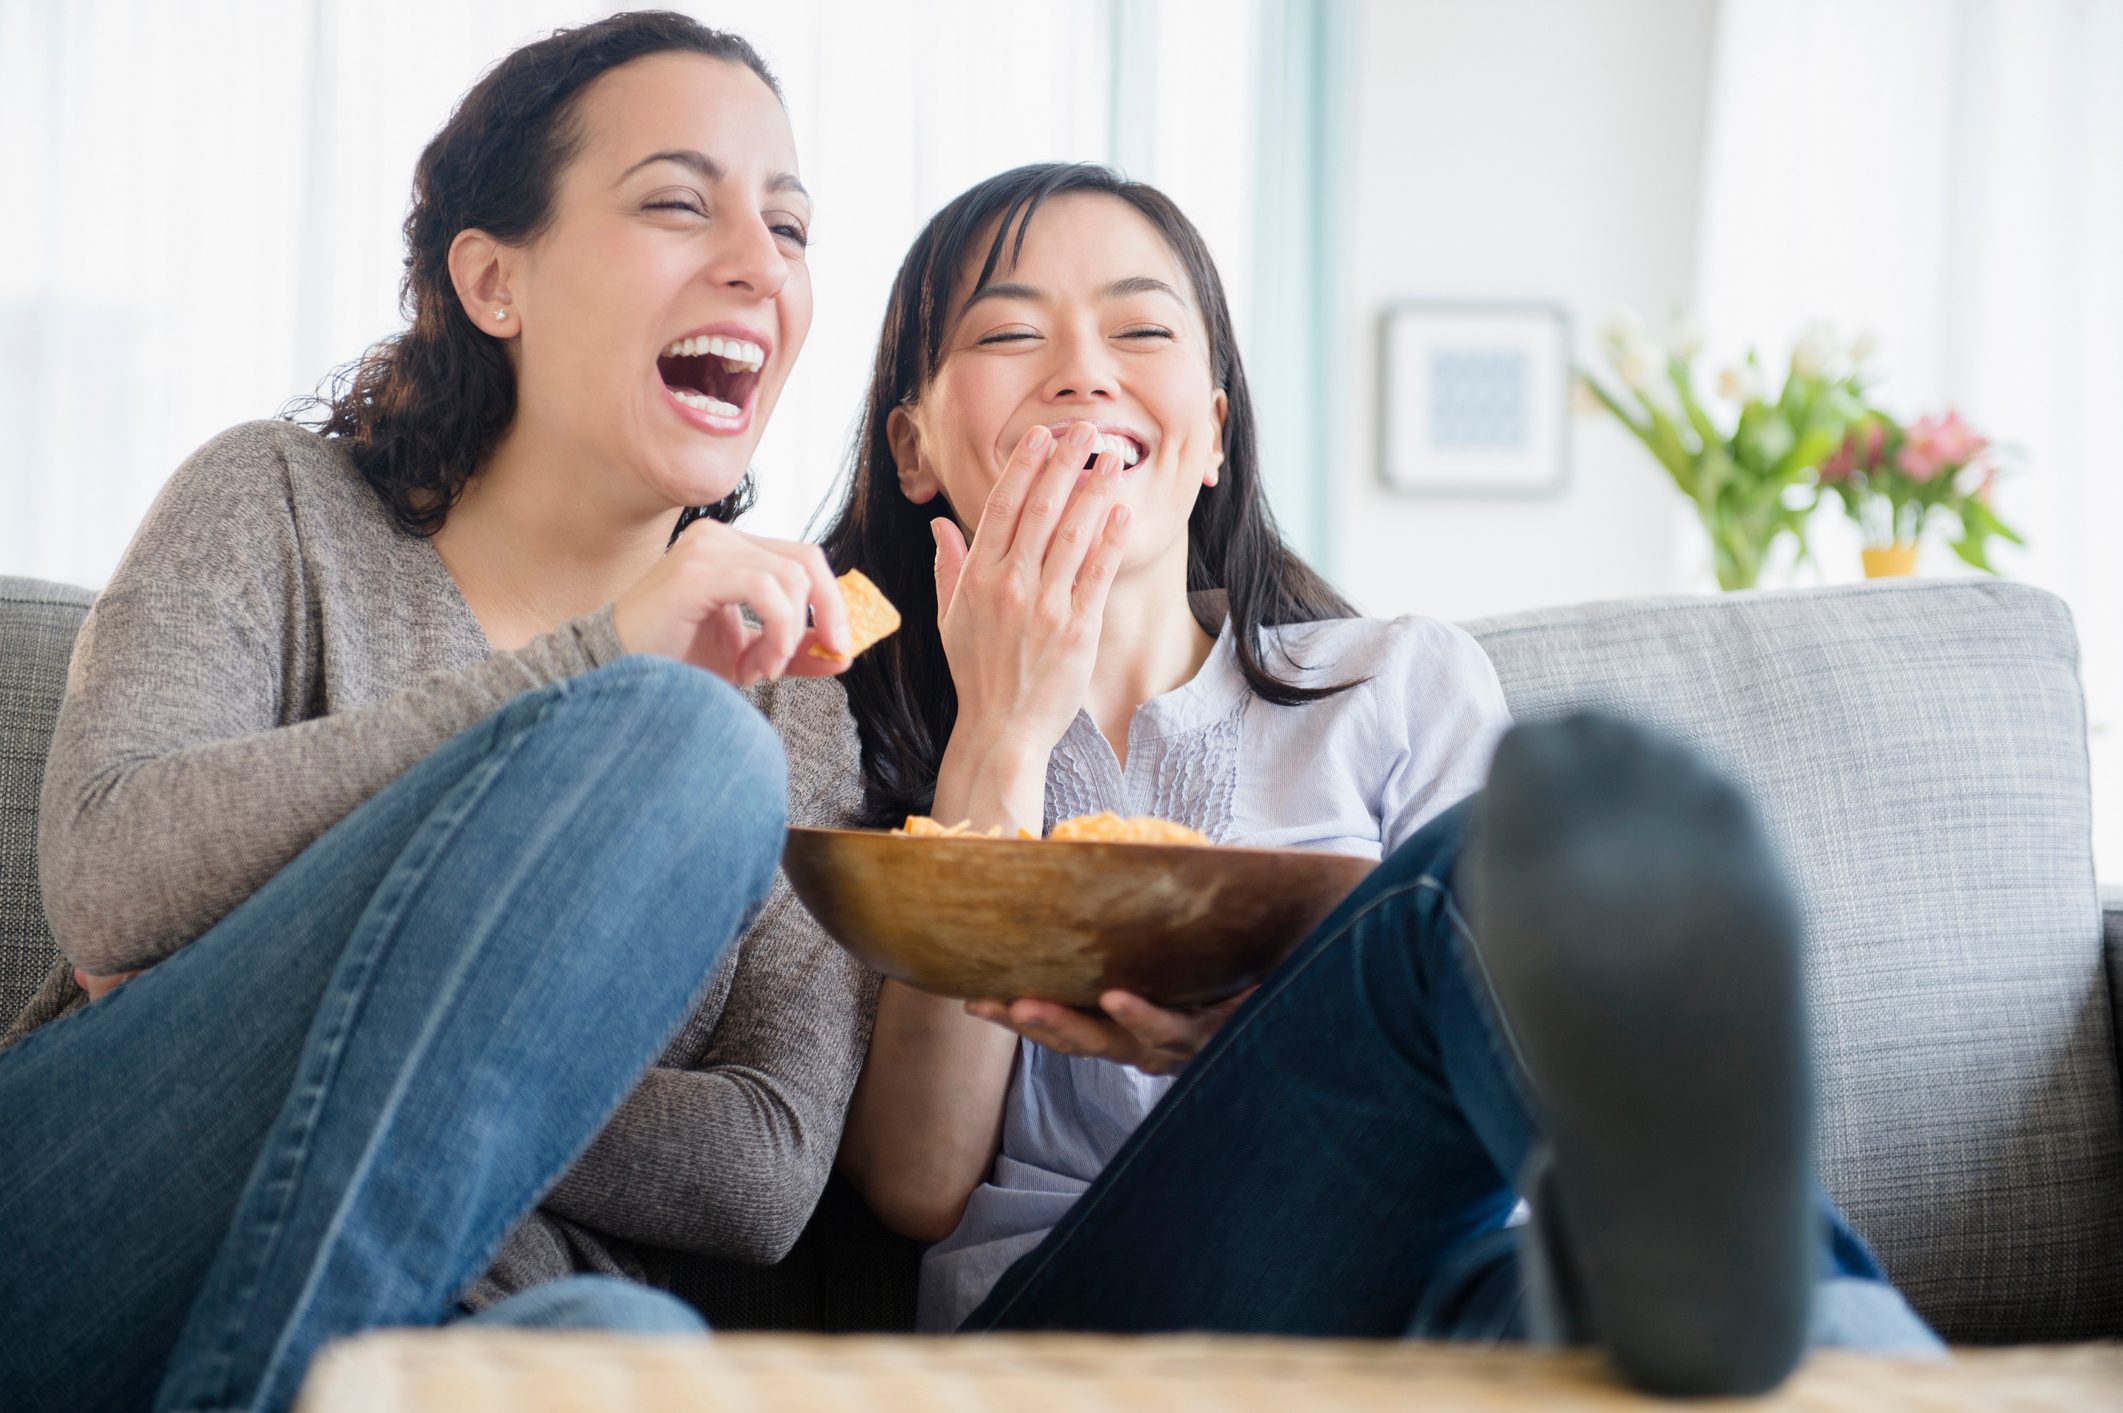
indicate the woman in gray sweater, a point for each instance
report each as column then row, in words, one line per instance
column 403, row 806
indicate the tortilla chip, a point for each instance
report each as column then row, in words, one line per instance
column 871, row 616
column 920, row 826
column 1110, row 828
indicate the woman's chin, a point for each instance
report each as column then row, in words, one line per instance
column 700, row 481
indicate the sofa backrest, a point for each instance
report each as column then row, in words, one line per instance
column 37, row 626
column 1919, row 752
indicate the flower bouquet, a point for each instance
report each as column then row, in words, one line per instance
column 1750, row 476
column 1895, row 480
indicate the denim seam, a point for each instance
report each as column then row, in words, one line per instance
column 492, row 1249
column 219, row 1362
column 588, row 687
column 594, row 685
column 285, row 1167
column 1503, row 1042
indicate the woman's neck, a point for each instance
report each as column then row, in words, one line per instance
column 537, row 540
column 1149, row 644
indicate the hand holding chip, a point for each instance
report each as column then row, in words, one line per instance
column 690, row 607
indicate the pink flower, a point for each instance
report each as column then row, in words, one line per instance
column 1856, row 454
column 1937, row 444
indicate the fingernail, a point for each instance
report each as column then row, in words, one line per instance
column 1083, row 434
column 1039, row 438
column 936, row 533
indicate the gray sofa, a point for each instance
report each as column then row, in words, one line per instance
column 1920, row 752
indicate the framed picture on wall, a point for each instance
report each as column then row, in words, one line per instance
column 1474, row 398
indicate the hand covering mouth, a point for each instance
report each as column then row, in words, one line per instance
column 712, row 372
column 1124, row 444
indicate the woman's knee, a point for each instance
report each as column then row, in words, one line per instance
column 701, row 743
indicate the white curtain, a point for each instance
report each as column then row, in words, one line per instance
column 1947, row 176
column 203, row 208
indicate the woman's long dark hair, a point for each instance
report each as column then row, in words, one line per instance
column 901, row 690
column 421, row 410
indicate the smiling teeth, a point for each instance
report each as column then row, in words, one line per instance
column 738, row 355
column 1123, row 447
column 701, row 402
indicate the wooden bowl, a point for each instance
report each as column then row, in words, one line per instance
column 1181, row 925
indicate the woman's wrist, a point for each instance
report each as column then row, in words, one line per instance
column 992, row 778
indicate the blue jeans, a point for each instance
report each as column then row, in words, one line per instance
column 1340, row 1160
column 325, row 1114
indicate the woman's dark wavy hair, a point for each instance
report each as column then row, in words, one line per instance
column 901, row 690
column 421, row 410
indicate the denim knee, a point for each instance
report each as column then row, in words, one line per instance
column 708, row 743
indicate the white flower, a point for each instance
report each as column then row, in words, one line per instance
column 1741, row 384
column 1815, row 351
column 1864, row 346
column 1624, row 336
column 1687, row 336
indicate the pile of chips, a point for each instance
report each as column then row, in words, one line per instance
column 1103, row 828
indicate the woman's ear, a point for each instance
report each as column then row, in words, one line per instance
column 1220, row 408
column 916, row 481
column 479, row 269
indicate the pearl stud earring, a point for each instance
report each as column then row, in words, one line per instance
column 501, row 313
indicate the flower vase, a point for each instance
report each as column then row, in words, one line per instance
column 1894, row 561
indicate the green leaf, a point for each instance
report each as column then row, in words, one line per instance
column 1678, row 373
column 1970, row 548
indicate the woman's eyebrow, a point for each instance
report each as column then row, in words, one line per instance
column 1139, row 284
column 1118, row 289
column 1008, row 289
column 710, row 170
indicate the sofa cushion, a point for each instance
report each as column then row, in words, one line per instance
column 1919, row 751
column 37, row 626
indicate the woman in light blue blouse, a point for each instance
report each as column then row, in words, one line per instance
column 1056, row 479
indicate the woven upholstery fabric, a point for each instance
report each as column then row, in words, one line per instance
column 2112, row 930
column 1919, row 752
column 37, row 626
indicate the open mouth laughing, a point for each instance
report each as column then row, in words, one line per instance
column 713, row 377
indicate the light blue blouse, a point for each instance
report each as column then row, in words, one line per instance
column 1356, row 773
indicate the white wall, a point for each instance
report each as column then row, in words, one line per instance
column 1544, row 149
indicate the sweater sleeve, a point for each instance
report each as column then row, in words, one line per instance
column 1440, row 726
column 181, row 777
column 727, row 1157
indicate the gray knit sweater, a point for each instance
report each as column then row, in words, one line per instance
column 274, row 650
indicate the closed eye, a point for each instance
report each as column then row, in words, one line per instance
column 1151, row 332
column 1006, row 336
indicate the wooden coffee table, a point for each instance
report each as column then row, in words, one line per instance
column 489, row 1371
